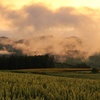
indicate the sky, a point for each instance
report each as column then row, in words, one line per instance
column 60, row 18
column 53, row 4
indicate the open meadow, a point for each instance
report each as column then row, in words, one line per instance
column 50, row 86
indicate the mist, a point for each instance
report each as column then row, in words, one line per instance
column 64, row 31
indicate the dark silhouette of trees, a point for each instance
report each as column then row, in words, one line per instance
column 95, row 70
column 94, row 61
column 10, row 62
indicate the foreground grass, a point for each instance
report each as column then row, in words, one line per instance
column 18, row 86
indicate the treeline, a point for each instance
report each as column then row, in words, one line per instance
column 12, row 62
column 72, row 63
column 76, row 65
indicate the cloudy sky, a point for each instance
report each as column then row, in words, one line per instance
column 60, row 18
column 65, row 17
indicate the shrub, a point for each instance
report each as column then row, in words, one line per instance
column 94, row 70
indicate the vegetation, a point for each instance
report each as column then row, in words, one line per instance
column 11, row 62
column 14, row 86
column 83, row 73
column 95, row 70
column 94, row 61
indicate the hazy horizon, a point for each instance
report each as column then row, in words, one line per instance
column 29, row 20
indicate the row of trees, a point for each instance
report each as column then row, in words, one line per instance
column 76, row 65
column 11, row 62
column 26, row 62
column 72, row 63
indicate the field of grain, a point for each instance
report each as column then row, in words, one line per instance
column 55, row 69
column 22, row 86
column 84, row 73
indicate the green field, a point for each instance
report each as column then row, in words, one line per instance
column 83, row 73
column 61, row 86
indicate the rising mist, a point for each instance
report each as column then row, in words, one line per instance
column 37, row 30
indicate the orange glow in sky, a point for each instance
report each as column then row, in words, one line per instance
column 53, row 4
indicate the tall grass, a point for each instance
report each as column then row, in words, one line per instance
column 15, row 86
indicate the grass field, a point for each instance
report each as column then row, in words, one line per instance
column 29, row 86
column 84, row 73
column 55, row 69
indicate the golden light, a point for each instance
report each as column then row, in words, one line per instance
column 85, row 3
column 53, row 4
column 15, row 4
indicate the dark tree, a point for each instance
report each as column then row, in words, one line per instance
column 10, row 62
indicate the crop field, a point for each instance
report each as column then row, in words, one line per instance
column 27, row 86
column 83, row 73
column 54, row 69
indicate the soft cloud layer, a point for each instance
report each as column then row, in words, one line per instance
column 4, row 52
column 36, row 20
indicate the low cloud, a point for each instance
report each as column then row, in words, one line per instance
column 2, row 52
column 36, row 20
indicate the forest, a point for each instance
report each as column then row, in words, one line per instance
column 11, row 62
column 25, row 62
